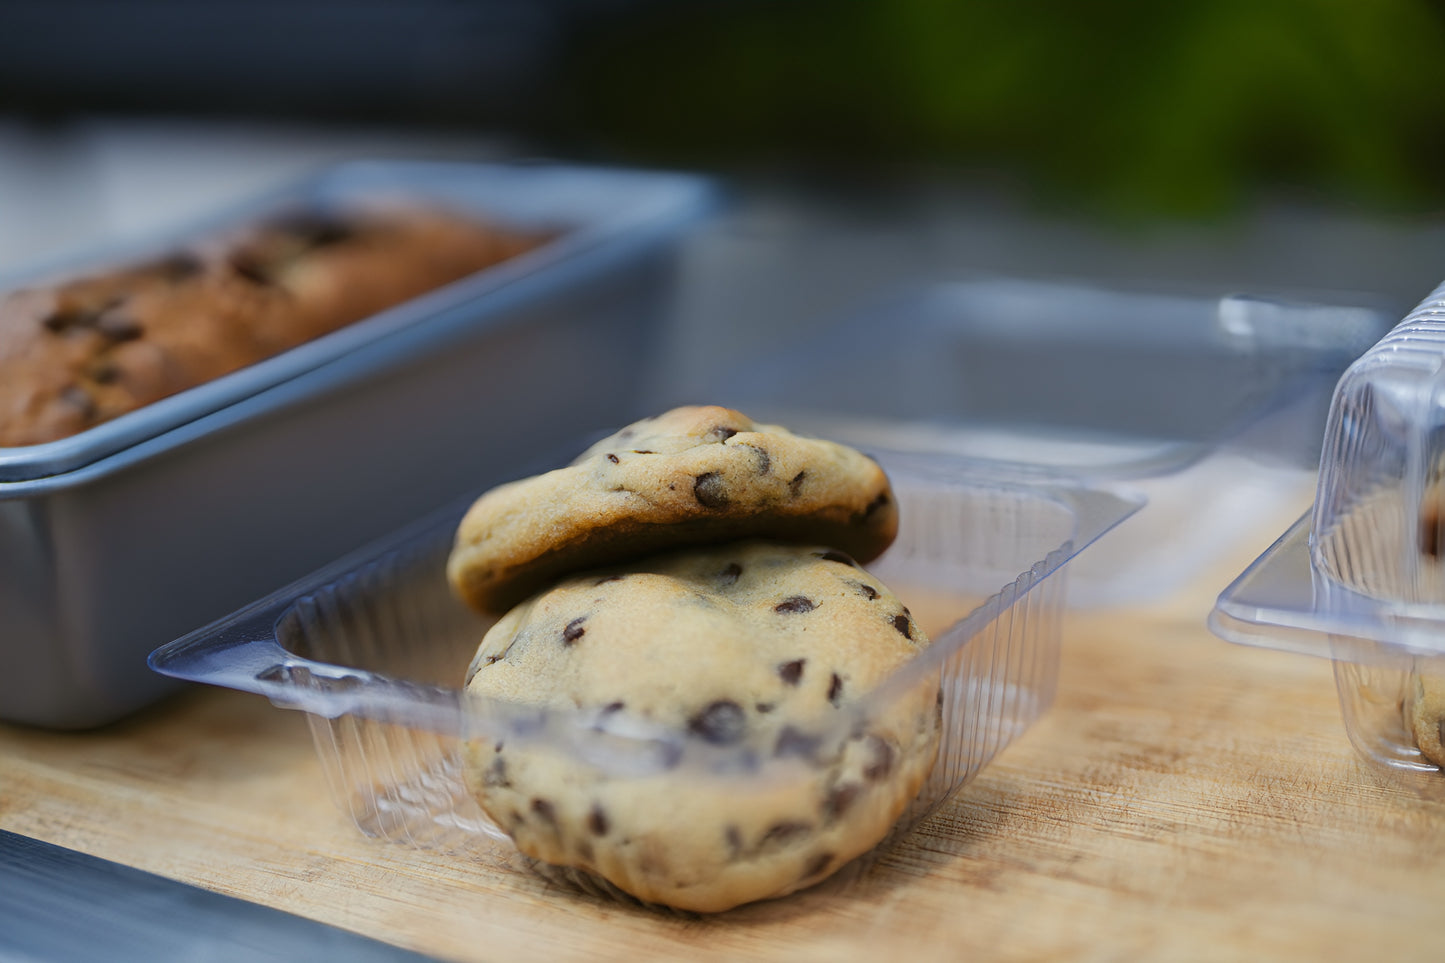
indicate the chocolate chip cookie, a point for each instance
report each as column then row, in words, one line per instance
column 1425, row 715
column 693, row 475
column 744, row 676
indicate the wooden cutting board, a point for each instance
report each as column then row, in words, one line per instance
column 1184, row 799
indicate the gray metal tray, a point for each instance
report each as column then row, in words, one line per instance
column 139, row 530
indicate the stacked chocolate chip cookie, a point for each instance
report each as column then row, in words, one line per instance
column 695, row 574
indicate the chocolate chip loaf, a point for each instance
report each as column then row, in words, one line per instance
column 79, row 352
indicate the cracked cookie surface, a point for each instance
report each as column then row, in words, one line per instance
column 752, row 658
column 694, row 475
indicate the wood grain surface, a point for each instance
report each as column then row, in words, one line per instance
column 1185, row 799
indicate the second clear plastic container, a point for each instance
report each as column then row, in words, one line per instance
column 1053, row 379
column 375, row 647
column 1360, row 580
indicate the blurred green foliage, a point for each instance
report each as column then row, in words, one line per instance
column 1126, row 107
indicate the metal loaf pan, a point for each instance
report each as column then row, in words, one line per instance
column 143, row 528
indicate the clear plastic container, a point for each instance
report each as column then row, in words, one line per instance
column 1360, row 579
column 1070, row 380
column 1048, row 377
column 375, row 648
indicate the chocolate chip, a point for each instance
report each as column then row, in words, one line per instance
column 819, row 863
column 765, row 461
column 710, row 490
column 904, row 627
column 118, row 326
column 1430, row 534
column 840, row 797
column 597, row 822
column 494, row 659
column 58, row 321
column 794, row 605
column 250, row 268
column 315, row 229
column 721, row 723
column 607, row 578
column 764, row 707
column 103, row 372
column 612, row 707
column 496, row 774
column 178, row 267
column 882, row 763
column 795, row 742
column 780, row 834
column 643, row 451
column 731, row 574
column 795, row 487
column 650, row 863
column 573, row 630
column 723, row 432
column 613, row 458
column 76, row 397
column 833, row 555
column 867, row 591
column 545, row 810
column 734, row 839
column 791, row 672
column 835, row 688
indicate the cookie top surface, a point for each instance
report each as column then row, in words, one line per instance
column 694, row 475
column 801, row 628
column 760, row 654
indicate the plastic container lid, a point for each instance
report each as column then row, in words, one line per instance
column 1061, row 379
column 1366, row 563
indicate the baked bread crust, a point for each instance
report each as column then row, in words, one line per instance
column 80, row 352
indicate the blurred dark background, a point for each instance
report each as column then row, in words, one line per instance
column 1126, row 107
column 1285, row 143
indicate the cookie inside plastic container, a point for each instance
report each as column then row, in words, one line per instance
column 982, row 568
column 1360, row 579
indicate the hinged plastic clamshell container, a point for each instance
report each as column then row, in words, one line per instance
column 1360, row 579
